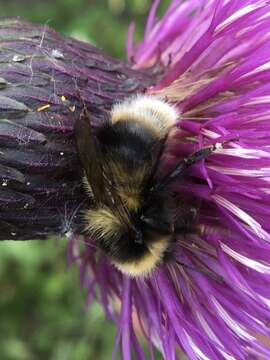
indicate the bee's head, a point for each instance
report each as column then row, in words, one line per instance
column 135, row 248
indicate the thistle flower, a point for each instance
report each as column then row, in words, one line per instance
column 214, row 60
column 215, row 55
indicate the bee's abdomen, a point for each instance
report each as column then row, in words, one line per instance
column 127, row 149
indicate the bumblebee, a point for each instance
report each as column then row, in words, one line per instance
column 135, row 217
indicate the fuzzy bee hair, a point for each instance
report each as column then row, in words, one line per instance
column 151, row 112
column 134, row 218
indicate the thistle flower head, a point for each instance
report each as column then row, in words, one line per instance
column 214, row 55
column 41, row 74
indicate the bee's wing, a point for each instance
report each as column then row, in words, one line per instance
column 90, row 157
column 98, row 172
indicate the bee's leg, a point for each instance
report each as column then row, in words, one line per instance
column 187, row 162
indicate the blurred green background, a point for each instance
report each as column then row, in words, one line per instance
column 102, row 22
column 42, row 306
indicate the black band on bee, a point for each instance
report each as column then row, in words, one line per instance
column 126, row 140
